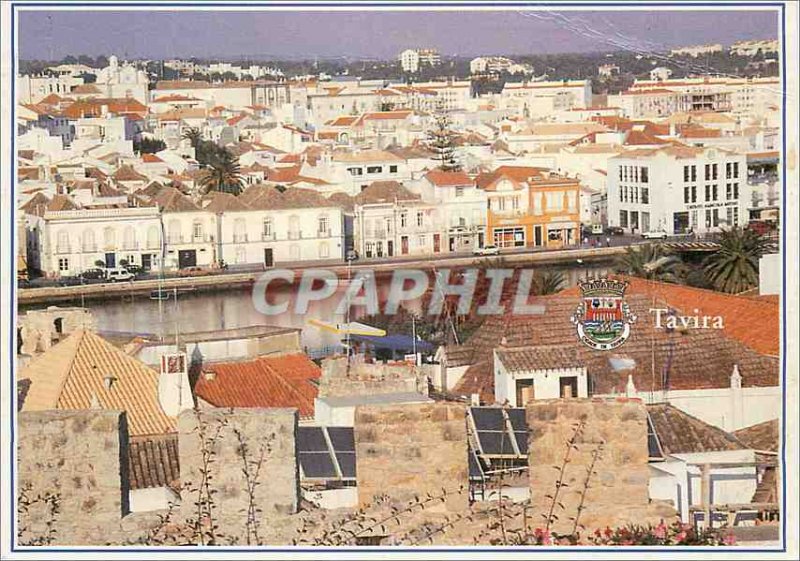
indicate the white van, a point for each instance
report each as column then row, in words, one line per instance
column 118, row 274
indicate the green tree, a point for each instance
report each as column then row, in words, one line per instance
column 441, row 141
column 547, row 282
column 148, row 145
column 224, row 173
column 650, row 261
column 193, row 135
column 733, row 268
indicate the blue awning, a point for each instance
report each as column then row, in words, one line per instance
column 394, row 342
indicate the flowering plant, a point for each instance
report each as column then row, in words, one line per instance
column 677, row 533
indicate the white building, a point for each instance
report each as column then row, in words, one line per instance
column 696, row 50
column 122, row 81
column 481, row 65
column 461, row 208
column 677, row 189
column 660, row 73
column 525, row 373
column 751, row 48
column 33, row 89
column 541, row 99
column 412, row 59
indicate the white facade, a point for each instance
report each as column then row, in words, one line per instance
column 676, row 190
column 33, row 89
column 697, row 50
column 397, row 228
column 409, row 60
column 751, row 48
column 72, row 241
column 277, row 236
column 121, row 81
column 517, row 386
column 660, row 74
column 540, row 99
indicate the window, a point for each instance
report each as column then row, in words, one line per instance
column 197, row 231
column 322, row 222
column 374, row 169
column 645, row 195
column 716, row 217
column 356, row 171
column 63, row 264
column 735, row 216
column 369, row 249
column 736, row 170
column 728, row 191
column 694, row 193
column 459, row 191
column 686, row 194
column 324, row 250
column 645, row 175
column 109, row 238
column 294, row 227
column 728, row 170
column 736, row 191
column 714, row 171
column 88, row 241
column 686, row 174
column 620, row 173
column 419, row 219
column 714, row 192
column 267, row 229
column 708, row 218
column 153, row 237
column 694, row 173
column 623, row 218
column 403, row 220
column 708, row 192
column 392, row 169
column 707, row 175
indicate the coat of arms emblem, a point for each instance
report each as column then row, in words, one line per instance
column 603, row 318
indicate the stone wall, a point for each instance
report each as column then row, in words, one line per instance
column 75, row 454
column 409, row 450
column 224, row 431
column 617, row 491
column 38, row 329
column 369, row 378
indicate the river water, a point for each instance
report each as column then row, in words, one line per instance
column 209, row 311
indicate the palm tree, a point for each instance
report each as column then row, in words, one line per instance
column 547, row 282
column 193, row 135
column 224, row 174
column 733, row 268
column 650, row 261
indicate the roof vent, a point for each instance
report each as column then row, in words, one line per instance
column 109, row 380
column 210, row 375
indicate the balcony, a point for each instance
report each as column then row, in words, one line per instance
column 63, row 248
column 239, row 238
column 295, row 235
column 89, row 248
column 268, row 236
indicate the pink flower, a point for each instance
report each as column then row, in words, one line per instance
column 730, row 539
column 660, row 531
column 546, row 538
column 680, row 537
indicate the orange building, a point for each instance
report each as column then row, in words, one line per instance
column 531, row 207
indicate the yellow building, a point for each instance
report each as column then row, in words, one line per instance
column 531, row 207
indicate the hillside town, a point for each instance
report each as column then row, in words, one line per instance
column 150, row 211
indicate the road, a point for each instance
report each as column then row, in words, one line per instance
column 237, row 276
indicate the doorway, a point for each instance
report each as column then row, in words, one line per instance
column 524, row 392
column 111, row 260
column 268, row 259
column 187, row 258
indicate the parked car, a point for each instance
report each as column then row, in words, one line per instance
column 615, row 230
column 655, row 235
column 119, row 274
column 93, row 274
column 486, row 250
column 135, row 270
column 71, row 281
column 351, row 255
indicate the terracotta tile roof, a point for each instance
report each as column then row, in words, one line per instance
column 127, row 173
column 764, row 437
column 385, row 192
column 657, row 359
column 36, row 205
column 517, row 174
column 61, row 202
column 172, row 200
column 283, row 381
column 86, row 89
column 72, row 375
column 681, row 433
column 753, row 322
column 153, row 461
column 642, row 138
column 342, row 200
column 151, row 159
column 344, row 121
column 94, row 107
column 181, row 84
column 174, row 97
column 545, row 357
column 297, row 197
column 442, row 178
column 223, row 202
column 386, row 115
column 261, row 197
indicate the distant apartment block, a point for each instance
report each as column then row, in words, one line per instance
column 751, row 48
column 696, row 50
column 412, row 59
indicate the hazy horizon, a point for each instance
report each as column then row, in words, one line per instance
column 356, row 35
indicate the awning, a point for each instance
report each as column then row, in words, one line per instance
column 396, row 342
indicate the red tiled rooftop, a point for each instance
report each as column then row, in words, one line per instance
column 282, row 381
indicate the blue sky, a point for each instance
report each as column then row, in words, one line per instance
column 372, row 34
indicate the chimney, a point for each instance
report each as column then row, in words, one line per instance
column 630, row 389
column 736, row 378
column 174, row 393
column 475, row 400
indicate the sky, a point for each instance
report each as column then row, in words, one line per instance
column 51, row 35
